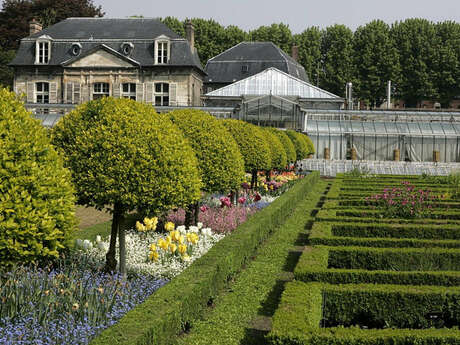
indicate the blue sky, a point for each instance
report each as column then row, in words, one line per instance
column 298, row 14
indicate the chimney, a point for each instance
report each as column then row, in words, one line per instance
column 34, row 27
column 295, row 52
column 190, row 32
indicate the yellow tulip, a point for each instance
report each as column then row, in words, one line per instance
column 163, row 244
column 169, row 226
column 172, row 248
column 182, row 248
column 153, row 247
column 194, row 238
column 168, row 239
column 140, row 226
column 153, row 256
column 181, row 239
column 175, row 235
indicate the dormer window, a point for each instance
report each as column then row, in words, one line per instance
column 42, row 50
column 162, row 50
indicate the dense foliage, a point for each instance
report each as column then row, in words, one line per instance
column 287, row 144
column 420, row 57
column 36, row 197
column 252, row 144
column 278, row 153
column 219, row 159
column 301, row 143
column 125, row 158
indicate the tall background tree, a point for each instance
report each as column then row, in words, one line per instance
column 375, row 58
column 279, row 34
column 447, row 62
column 16, row 15
column 337, row 56
column 309, row 43
column 416, row 41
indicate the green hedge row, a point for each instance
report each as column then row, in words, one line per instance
column 166, row 313
column 384, row 235
column 394, row 259
column 357, row 216
column 300, row 314
column 313, row 267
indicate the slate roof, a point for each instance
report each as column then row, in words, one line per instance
column 273, row 82
column 112, row 33
column 227, row 67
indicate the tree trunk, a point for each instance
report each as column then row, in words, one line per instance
column 188, row 215
column 111, row 261
column 254, row 179
column 197, row 212
column 122, row 244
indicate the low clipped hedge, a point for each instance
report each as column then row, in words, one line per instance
column 299, row 316
column 395, row 259
column 168, row 312
column 385, row 235
column 313, row 267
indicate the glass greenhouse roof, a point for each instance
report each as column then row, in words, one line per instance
column 333, row 127
column 273, row 82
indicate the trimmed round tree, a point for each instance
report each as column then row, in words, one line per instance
column 278, row 153
column 301, row 147
column 37, row 202
column 311, row 147
column 287, row 144
column 253, row 146
column 123, row 157
column 220, row 162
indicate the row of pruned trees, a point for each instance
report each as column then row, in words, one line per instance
column 122, row 157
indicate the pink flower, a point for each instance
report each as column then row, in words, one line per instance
column 257, row 197
column 225, row 202
column 204, row 208
column 242, row 200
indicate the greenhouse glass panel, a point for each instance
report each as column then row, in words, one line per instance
column 437, row 129
column 425, row 128
column 414, row 128
column 448, row 129
column 357, row 127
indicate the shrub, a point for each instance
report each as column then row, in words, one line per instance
column 278, row 153
column 36, row 197
column 124, row 158
column 302, row 148
column 287, row 144
column 219, row 159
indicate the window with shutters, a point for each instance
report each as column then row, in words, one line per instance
column 161, row 94
column 129, row 90
column 43, row 49
column 100, row 90
column 42, row 93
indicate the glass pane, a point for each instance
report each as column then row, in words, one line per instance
column 158, row 87
column 158, row 100
column 132, row 87
column 125, row 87
column 39, row 87
column 46, row 87
column 166, row 101
column 166, row 88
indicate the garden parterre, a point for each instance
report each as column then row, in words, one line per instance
column 377, row 272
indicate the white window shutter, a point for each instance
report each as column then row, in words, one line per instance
column 140, row 92
column 173, row 94
column 85, row 94
column 68, row 93
column 76, row 93
column 116, row 92
column 31, row 92
column 53, row 93
column 149, row 93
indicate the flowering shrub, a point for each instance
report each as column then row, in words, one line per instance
column 67, row 305
column 402, row 202
column 157, row 254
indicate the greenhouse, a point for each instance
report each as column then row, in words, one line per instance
column 384, row 136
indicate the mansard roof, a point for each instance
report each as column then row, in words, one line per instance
column 273, row 82
column 92, row 33
column 227, row 67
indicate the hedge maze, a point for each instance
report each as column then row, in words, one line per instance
column 366, row 278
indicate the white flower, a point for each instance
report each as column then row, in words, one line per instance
column 199, row 225
column 98, row 239
column 102, row 246
column 206, row 231
column 182, row 229
column 193, row 228
column 87, row 245
column 79, row 243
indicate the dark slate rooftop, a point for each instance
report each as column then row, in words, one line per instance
column 92, row 33
column 228, row 66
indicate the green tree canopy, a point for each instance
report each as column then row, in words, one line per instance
column 416, row 42
column 124, row 157
column 376, row 61
column 278, row 153
column 301, row 144
column 37, row 203
column 279, row 34
column 309, row 43
column 219, row 159
column 252, row 144
column 287, row 144
column 337, row 56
